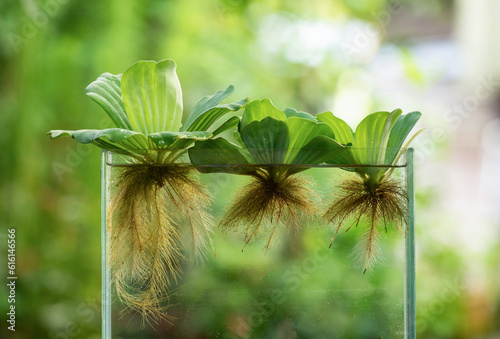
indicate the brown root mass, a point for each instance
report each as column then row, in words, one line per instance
column 155, row 213
column 265, row 204
column 376, row 205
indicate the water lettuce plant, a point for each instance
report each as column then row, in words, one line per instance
column 374, row 197
column 158, row 214
column 272, row 147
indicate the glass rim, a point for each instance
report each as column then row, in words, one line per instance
column 116, row 150
column 121, row 158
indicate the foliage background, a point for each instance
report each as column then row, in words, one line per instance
column 351, row 57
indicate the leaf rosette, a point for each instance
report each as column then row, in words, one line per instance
column 376, row 144
column 271, row 147
column 158, row 215
column 145, row 104
column 373, row 197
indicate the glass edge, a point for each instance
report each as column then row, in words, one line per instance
column 117, row 158
column 105, row 274
column 409, row 272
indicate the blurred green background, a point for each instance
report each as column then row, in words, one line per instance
column 350, row 57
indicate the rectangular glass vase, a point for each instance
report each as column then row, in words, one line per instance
column 302, row 285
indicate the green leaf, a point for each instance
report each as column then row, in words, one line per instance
column 206, row 103
column 201, row 119
column 228, row 124
column 403, row 126
column 323, row 149
column 372, row 135
column 343, row 133
column 111, row 138
column 152, row 96
column 210, row 116
column 389, row 124
column 219, row 156
column 258, row 110
column 301, row 132
column 292, row 112
column 178, row 140
column 237, row 137
column 106, row 92
column 267, row 140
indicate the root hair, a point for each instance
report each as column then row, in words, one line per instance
column 375, row 205
column 266, row 206
column 146, row 241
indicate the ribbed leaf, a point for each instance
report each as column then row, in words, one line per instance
column 178, row 140
column 384, row 137
column 111, row 138
column 399, row 132
column 323, row 149
column 199, row 120
column 206, row 103
column 219, row 156
column 292, row 112
column 228, row 124
column 372, row 135
column 237, row 137
column 152, row 96
column 267, row 140
column 301, row 132
column 106, row 92
column 205, row 120
column 258, row 110
column 343, row 133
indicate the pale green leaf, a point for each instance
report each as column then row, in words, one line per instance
column 372, row 135
column 106, row 92
column 237, row 137
column 228, row 124
column 258, row 110
column 403, row 126
column 205, row 104
column 178, row 140
column 152, row 96
column 389, row 124
column 343, row 133
column 200, row 120
column 205, row 120
column 292, row 112
column 111, row 138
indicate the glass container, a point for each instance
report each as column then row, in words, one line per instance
column 303, row 286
